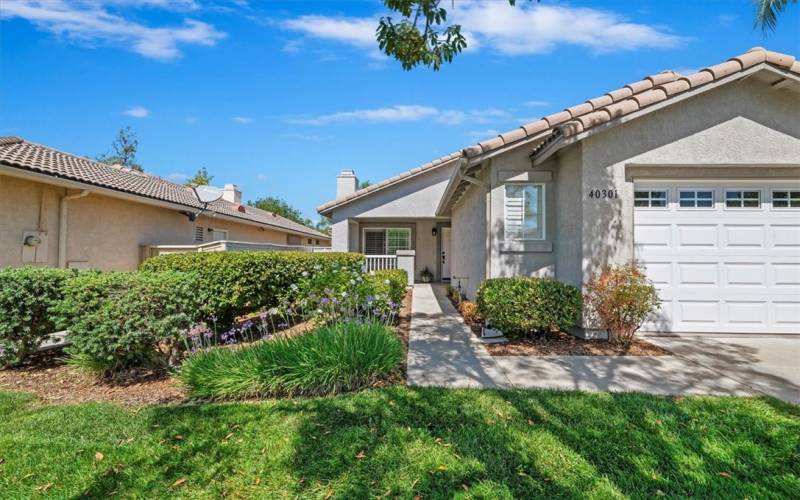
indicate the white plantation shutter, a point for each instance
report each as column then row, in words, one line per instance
column 524, row 211
column 374, row 242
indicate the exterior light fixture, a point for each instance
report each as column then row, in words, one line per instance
column 434, row 232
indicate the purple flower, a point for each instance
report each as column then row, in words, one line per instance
column 325, row 300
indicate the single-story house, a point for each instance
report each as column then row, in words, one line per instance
column 60, row 209
column 696, row 177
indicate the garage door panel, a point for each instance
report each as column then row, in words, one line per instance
column 746, row 313
column 697, row 236
column 721, row 269
column 786, row 236
column 744, row 236
column 745, row 274
column 787, row 313
column 786, row 275
column 695, row 274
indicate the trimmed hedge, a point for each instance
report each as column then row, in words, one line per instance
column 27, row 295
column 120, row 320
column 235, row 283
column 519, row 306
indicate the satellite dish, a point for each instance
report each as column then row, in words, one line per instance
column 207, row 194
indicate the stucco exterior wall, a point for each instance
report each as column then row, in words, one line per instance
column 103, row 232
column 517, row 258
column 567, row 245
column 468, row 240
column 742, row 123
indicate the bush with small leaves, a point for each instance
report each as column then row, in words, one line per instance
column 620, row 299
column 520, row 306
column 27, row 295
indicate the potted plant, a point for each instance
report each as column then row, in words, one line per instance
column 426, row 276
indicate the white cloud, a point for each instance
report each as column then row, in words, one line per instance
column 401, row 113
column 536, row 104
column 527, row 28
column 244, row 120
column 137, row 112
column 191, row 120
column 91, row 22
column 686, row 70
column 178, row 177
column 727, row 19
column 480, row 135
column 261, row 177
column 409, row 113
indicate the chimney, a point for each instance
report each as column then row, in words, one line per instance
column 231, row 193
column 346, row 183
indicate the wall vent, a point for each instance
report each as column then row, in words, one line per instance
column 198, row 233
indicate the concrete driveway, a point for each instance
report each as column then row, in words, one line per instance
column 769, row 364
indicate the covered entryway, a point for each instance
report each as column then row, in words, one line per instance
column 725, row 256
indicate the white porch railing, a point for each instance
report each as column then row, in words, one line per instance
column 380, row 262
column 148, row 251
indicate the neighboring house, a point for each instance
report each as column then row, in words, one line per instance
column 695, row 177
column 63, row 210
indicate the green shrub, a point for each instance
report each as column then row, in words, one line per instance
column 122, row 320
column 391, row 282
column 235, row 283
column 27, row 295
column 620, row 299
column 520, row 306
column 334, row 358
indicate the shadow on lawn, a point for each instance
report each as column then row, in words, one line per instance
column 524, row 444
column 435, row 443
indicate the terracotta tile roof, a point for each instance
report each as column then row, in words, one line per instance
column 602, row 109
column 19, row 153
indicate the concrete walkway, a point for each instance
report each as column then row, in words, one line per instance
column 444, row 352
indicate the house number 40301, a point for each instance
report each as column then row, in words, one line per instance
column 603, row 194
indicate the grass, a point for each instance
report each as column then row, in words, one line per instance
column 399, row 441
column 331, row 359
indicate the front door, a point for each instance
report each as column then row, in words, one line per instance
column 445, row 253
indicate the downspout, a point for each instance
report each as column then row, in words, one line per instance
column 62, row 225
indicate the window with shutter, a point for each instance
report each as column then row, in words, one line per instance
column 375, row 242
column 198, row 233
column 524, row 211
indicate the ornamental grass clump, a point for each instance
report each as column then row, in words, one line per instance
column 620, row 299
column 337, row 357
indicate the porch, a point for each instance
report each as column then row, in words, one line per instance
column 421, row 246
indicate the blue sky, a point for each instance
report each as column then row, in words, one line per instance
column 279, row 96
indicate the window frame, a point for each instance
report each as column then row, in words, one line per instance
column 543, row 218
column 742, row 190
column 695, row 199
column 667, row 195
column 789, row 199
column 213, row 230
column 385, row 239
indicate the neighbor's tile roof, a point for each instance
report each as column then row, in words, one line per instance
column 18, row 153
column 599, row 110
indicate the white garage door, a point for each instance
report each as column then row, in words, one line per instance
column 724, row 256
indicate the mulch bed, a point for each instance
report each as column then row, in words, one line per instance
column 56, row 383
column 564, row 344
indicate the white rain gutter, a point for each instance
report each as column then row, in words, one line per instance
column 62, row 224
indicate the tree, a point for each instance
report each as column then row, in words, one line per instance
column 280, row 207
column 364, row 184
column 423, row 37
column 324, row 225
column 201, row 178
column 125, row 147
column 767, row 12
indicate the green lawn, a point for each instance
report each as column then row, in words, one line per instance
column 404, row 442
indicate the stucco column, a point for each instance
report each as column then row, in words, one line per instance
column 340, row 236
column 405, row 261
